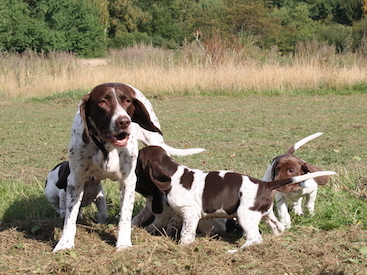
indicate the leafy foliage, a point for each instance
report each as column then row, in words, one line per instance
column 61, row 25
column 83, row 26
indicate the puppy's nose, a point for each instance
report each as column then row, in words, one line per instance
column 123, row 122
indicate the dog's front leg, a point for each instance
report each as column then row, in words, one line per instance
column 127, row 193
column 101, row 206
column 74, row 195
column 310, row 201
column 190, row 223
column 282, row 209
column 297, row 206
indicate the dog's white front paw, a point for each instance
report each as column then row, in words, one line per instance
column 62, row 245
column 122, row 247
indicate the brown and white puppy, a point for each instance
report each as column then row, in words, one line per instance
column 166, row 221
column 195, row 194
column 289, row 165
column 104, row 144
column 55, row 191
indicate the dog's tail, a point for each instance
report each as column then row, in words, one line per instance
column 279, row 183
column 302, row 142
column 154, row 138
column 181, row 152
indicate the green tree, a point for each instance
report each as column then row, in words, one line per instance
column 52, row 25
column 296, row 26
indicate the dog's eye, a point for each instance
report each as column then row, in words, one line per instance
column 291, row 171
column 102, row 103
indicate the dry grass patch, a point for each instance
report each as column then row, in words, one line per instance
column 304, row 250
column 186, row 71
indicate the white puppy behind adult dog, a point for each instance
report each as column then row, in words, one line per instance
column 55, row 191
column 104, row 144
column 195, row 194
column 289, row 165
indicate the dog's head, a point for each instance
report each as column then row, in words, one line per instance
column 154, row 170
column 288, row 166
column 108, row 110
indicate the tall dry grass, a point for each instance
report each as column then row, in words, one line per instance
column 189, row 70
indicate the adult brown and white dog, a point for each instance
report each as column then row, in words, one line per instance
column 104, row 144
column 195, row 194
column 289, row 165
column 55, row 191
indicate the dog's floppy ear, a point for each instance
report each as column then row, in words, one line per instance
column 305, row 167
column 83, row 115
column 274, row 168
column 142, row 117
column 157, row 202
column 159, row 177
column 319, row 180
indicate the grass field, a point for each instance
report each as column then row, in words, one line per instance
column 241, row 134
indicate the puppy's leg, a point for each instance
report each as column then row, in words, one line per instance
column 310, row 201
column 191, row 219
column 297, row 207
column 276, row 227
column 74, row 195
column 144, row 215
column 282, row 209
column 161, row 220
column 101, row 206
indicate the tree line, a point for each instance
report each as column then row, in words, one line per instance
column 89, row 27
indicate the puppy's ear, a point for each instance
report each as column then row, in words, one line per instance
column 305, row 168
column 157, row 203
column 83, row 115
column 159, row 177
column 64, row 172
column 274, row 168
column 142, row 117
column 319, row 180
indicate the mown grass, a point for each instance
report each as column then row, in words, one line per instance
column 241, row 133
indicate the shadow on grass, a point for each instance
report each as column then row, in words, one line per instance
column 37, row 220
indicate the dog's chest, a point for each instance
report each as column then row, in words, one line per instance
column 117, row 166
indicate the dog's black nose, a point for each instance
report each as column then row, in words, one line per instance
column 123, row 122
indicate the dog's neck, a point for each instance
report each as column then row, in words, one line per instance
column 93, row 132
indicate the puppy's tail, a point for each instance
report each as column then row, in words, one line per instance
column 279, row 183
column 302, row 142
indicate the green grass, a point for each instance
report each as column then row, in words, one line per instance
column 241, row 134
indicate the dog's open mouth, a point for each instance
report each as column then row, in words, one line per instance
column 119, row 140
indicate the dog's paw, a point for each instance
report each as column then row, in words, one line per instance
column 122, row 247
column 63, row 245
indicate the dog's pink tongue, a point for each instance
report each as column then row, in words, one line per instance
column 120, row 143
column 117, row 142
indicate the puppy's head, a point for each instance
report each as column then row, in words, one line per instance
column 288, row 165
column 154, row 170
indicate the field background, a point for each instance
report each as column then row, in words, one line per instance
column 242, row 127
